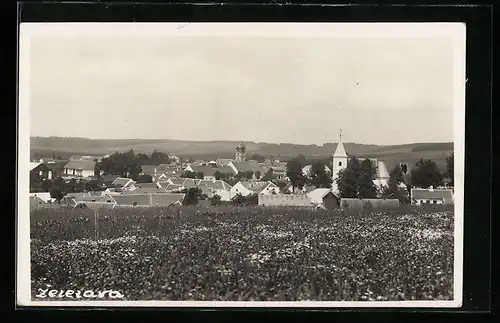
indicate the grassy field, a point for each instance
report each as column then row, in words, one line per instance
column 231, row 253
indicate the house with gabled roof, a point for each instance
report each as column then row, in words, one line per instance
column 420, row 196
column 248, row 166
column 246, row 188
column 124, row 183
column 35, row 201
column 80, row 168
column 324, row 197
column 109, row 178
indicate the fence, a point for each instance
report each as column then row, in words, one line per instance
column 369, row 203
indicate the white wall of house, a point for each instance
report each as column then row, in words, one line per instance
column 271, row 189
column 225, row 195
column 79, row 172
column 381, row 182
column 238, row 188
column 427, row 201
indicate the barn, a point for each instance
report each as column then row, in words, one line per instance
column 324, row 197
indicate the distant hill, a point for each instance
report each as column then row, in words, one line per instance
column 65, row 147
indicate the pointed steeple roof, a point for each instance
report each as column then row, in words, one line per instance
column 340, row 150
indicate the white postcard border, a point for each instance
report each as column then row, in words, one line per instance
column 456, row 31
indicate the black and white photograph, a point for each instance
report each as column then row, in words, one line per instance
column 241, row 164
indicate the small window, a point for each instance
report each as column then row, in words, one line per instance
column 340, row 163
column 40, row 173
column 435, row 202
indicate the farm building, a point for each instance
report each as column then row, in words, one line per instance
column 108, row 178
column 125, row 183
column 35, row 201
column 44, row 196
column 41, row 170
column 279, row 172
column 324, row 197
column 246, row 188
column 421, row 196
column 284, row 200
column 248, row 166
column 149, row 199
column 210, row 170
column 80, row 168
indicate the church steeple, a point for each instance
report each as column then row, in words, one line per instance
column 240, row 153
column 340, row 150
column 339, row 162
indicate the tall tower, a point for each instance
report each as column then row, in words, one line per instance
column 339, row 162
column 240, row 153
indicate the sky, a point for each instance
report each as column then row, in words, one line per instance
column 302, row 90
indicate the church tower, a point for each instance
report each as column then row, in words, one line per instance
column 240, row 153
column 339, row 162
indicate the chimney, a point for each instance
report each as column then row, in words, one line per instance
column 431, row 188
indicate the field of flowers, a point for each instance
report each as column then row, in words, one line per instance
column 230, row 253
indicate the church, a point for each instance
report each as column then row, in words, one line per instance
column 340, row 159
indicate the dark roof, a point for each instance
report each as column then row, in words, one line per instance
column 206, row 170
column 78, row 195
column 81, row 164
column 109, row 178
column 122, row 181
column 249, row 166
column 140, row 199
column 216, row 185
column 256, row 186
column 166, row 199
column 427, row 194
column 146, row 185
column 146, row 190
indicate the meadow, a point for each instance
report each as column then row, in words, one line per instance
column 230, row 253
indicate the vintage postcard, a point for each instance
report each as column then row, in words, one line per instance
column 241, row 164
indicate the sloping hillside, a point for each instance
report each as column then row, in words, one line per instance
column 64, row 147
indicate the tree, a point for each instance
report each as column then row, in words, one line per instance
column 295, row 174
column 426, row 174
column 218, row 175
column 366, row 187
column 193, row 195
column 257, row 158
column 257, row 174
column 238, row 199
column 199, row 175
column 395, row 179
column 268, row 176
column 318, row 176
column 215, row 200
column 356, row 180
column 450, row 171
column 252, row 199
